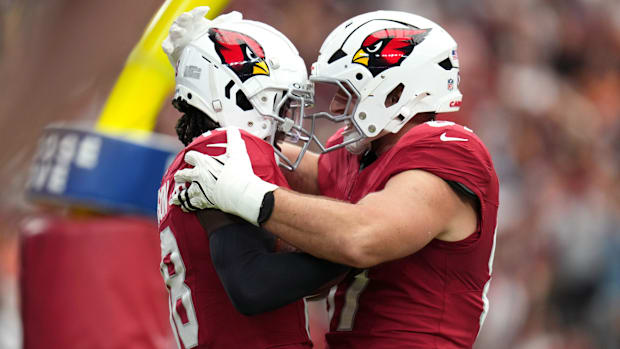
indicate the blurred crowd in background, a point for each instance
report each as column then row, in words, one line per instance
column 541, row 86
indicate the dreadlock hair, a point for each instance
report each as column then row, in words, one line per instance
column 193, row 123
column 424, row 117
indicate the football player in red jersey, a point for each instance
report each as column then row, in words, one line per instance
column 416, row 199
column 234, row 72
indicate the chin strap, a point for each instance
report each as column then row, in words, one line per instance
column 409, row 109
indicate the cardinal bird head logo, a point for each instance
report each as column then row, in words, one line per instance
column 239, row 52
column 387, row 48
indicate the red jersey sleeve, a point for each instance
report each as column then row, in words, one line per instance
column 453, row 153
column 449, row 151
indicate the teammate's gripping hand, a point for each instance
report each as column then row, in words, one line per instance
column 196, row 197
column 227, row 183
column 188, row 26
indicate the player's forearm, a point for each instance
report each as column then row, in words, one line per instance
column 254, row 276
column 344, row 233
column 304, row 178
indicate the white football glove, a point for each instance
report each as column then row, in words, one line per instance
column 189, row 26
column 227, row 183
column 189, row 203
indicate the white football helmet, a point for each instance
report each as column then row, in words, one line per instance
column 374, row 54
column 246, row 74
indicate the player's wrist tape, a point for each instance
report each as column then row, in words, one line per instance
column 266, row 208
column 241, row 196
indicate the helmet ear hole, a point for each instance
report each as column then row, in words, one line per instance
column 394, row 96
column 446, row 64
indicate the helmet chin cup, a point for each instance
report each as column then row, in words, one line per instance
column 358, row 146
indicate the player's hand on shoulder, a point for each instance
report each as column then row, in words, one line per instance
column 226, row 182
column 187, row 202
column 202, row 177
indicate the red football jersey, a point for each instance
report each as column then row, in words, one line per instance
column 89, row 282
column 201, row 313
column 436, row 297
